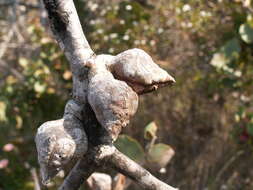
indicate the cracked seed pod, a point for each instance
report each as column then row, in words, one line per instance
column 112, row 100
column 137, row 68
column 61, row 143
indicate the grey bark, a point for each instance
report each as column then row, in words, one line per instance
column 131, row 169
column 68, row 32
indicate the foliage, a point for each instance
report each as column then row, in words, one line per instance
column 130, row 147
column 156, row 156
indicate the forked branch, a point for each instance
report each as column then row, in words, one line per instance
column 109, row 156
column 86, row 66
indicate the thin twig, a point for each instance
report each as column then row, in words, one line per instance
column 228, row 163
column 34, row 176
column 4, row 45
column 13, row 71
column 35, row 179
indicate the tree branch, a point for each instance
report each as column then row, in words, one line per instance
column 106, row 155
column 68, row 32
column 82, row 171
column 131, row 169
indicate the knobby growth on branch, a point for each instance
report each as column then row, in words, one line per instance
column 105, row 97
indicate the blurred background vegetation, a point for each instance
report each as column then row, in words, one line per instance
column 206, row 118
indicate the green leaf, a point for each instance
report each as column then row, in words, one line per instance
column 246, row 32
column 228, row 53
column 130, row 147
column 250, row 129
column 150, row 131
column 160, row 155
column 231, row 49
column 228, row 82
column 3, row 111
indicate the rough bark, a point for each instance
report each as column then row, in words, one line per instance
column 61, row 143
column 131, row 169
column 68, row 32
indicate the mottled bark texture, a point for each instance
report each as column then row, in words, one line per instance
column 61, row 143
column 105, row 89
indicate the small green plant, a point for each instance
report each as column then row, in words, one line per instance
column 155, row 155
